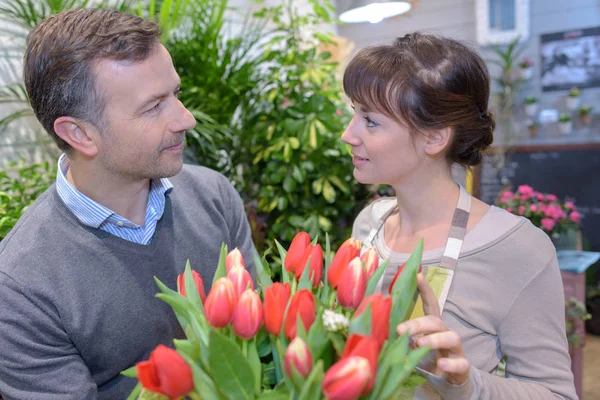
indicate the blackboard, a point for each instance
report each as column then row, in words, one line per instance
column 571, row 173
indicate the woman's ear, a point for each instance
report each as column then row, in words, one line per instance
column 79, row 135
column 437, row 141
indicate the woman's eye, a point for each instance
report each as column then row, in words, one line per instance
column 370, row 122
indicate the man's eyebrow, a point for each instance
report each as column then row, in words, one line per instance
column 158, row 96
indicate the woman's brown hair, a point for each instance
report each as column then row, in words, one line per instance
column 427, row 82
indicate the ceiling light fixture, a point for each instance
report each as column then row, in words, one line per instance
column 375, row 12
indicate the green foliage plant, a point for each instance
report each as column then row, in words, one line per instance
column 20, row 185
column 294, row 162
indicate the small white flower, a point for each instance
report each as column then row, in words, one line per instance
column 333, row 321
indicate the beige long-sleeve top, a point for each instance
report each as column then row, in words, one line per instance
column 506, row 301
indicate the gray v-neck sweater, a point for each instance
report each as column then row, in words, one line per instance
column 78, row 304
column 506, row 301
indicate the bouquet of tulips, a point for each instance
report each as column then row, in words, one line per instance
column 322, row 332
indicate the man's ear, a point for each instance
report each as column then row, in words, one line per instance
column 437, row 141
column 80, row 135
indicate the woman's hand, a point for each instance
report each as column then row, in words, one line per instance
column 430, row 330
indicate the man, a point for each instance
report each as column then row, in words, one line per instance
column 76, row 273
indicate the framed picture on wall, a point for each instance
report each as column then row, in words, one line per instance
column 570, row 59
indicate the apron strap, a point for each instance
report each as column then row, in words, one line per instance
column 455, row 241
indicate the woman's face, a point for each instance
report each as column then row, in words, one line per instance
column 384, row 151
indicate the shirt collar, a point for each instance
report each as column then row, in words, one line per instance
column 92, row 213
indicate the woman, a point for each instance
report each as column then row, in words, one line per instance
column 490, row 289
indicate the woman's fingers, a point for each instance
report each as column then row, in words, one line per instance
column 422, row 326
column 448, row 342
column 456, row 369
column 430, row 302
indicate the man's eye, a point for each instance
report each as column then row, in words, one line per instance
column 155, row 108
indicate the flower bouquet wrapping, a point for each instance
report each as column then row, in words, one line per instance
column 321, row 332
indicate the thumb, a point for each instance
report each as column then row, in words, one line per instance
column 430, row 303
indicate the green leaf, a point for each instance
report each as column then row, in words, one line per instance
column 202, row 381
column 312, row 386
column 312, row 135
column 135, row 392
column 374, row 279
column 283, row 394
column 338, row 183
column 328, row 192
column 305, row 282
column 254, row 360
column 404, row 292
column 130, row 372
column 362, row 323
column 338, row 342
column 317, row 337
column 263, row 275
column 229, row 368
column 282, row 253
column 191, row 290
column 221, row 271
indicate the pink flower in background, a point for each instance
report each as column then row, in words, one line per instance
column 539, row 196
column 533, row 207
column 338, row 112
column 548, row 223
column 286, row 103
column 575, row 216
column 509, row 209
column 569, row 205
column 526, row 190
column 550, row 197
column 506, row 196
column 542, row 207
column 521, row 210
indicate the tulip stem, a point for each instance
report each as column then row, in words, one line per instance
column 276, row 361
column 245, row 348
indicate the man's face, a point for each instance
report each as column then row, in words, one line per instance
column 145, row 121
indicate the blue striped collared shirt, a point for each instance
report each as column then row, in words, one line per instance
column 95, row 215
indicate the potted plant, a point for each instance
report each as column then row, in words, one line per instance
column 592, row 325
column 530, row 106
column 533, row 128
column 564, row 124
column 573, row 98
column 526, row 69
column 584, row 113
column 560, row 220
column 575, row 316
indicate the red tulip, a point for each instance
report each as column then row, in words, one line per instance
column 347, row 379
column 298, row 354
column 363, row 346
column 166, row 372
column 220, row 303
column 248, row 315
column 241, row 279
column 234, row 259
column 276, row 299
column 353, row 284
column 340, row 262
column 371, row 260
column 400, row 269
column 380, row 315
column 352, row 243
column 197, row 280
column 303, row 305
column 316, row 266
column 298, row 252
